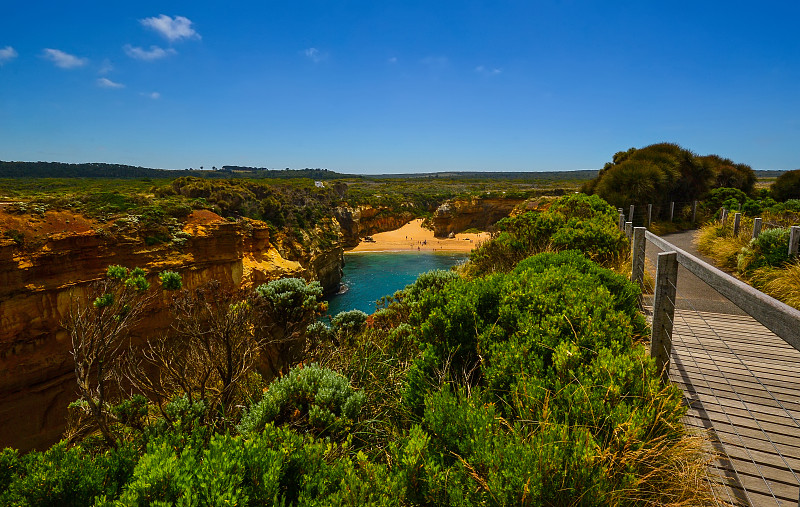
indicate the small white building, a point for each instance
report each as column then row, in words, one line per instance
column 319, row 184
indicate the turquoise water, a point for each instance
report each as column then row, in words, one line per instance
column 370, row 276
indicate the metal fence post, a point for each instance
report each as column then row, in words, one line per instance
column 649, row 215
column 664, row 312
column 637, row 256
column 794, row 240
column 671, row 210
column 628, row 229
column 756, row 227
column 630, row 214
column 737, row 222
column 694, row 211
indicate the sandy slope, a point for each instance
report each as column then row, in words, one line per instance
column 412, row 237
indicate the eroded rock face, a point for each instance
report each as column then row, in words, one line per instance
column 363, row 221
column 36, row 288
column 453, row 217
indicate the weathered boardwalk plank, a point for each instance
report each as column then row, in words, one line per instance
column 742, row 385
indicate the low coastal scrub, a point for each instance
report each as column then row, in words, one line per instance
column 573, row 222
column 763, row 262
column 524, row 383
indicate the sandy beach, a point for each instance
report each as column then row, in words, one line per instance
column 413, row 237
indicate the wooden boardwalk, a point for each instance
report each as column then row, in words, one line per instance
column 742, row 383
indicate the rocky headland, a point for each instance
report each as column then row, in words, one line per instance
column 38, row 282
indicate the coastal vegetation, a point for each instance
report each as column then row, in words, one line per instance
column 764, row 261
column 662, row 173
column 521, row 381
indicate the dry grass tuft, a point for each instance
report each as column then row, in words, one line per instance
column 781, row 283
column 721, row 245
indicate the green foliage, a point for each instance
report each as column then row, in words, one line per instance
column 312, row 398
column 135, row 278
column 786, row 186
column 16, row 236
column 526, row 386
column 290, row 296
column 665, row 172
column 103, row 301
column 286, row 308
column 63, row 476
column 624, row 292
column 348, row 324
column 770, row 248
column 170, row 280
column 573, row 222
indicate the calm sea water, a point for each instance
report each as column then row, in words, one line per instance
column 370, row 276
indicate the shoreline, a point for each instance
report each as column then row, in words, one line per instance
column 412, row 237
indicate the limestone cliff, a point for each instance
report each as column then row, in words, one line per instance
column 36, row 286
column 363, row 221
column 459, row 215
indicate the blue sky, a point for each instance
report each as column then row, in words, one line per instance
column 383, row 86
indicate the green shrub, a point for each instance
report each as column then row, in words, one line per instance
column 348, row 324
column 573, row 222
column 63, row 476
column 625, row 293
column 314, row 398
column 770, row 248
column 170, row 280
column 786, row 186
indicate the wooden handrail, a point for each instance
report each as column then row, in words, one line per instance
column 778, row 317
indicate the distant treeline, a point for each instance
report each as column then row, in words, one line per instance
column 86, row 170
column 122, row 171
column 102, row 170
column 490, row 175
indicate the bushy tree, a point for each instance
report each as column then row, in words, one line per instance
column 665, row 172
column 786, row 186
column 283, row 311
column 99, row 323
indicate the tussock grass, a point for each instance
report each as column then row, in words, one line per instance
column 781, row 283
column 721, row 245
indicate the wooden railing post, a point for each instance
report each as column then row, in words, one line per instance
column 664, row 312
column 756, row 227
column 794, row 240
column 621, row 221
column 628, row 229
column 694, row 211
column 630, row 214
column 649, row 215
column 637, row 256
column 737, row 222
column 671, row 210
column 723, row 216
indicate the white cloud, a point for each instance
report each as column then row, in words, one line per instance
column 7, row 54
column 104, row 82
column 152, row 95
column 106, row 67
column 480, row 69
column 148, row 55
column 393, row 59
column 64, row 60
column 173, row 29
column 315, row 55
